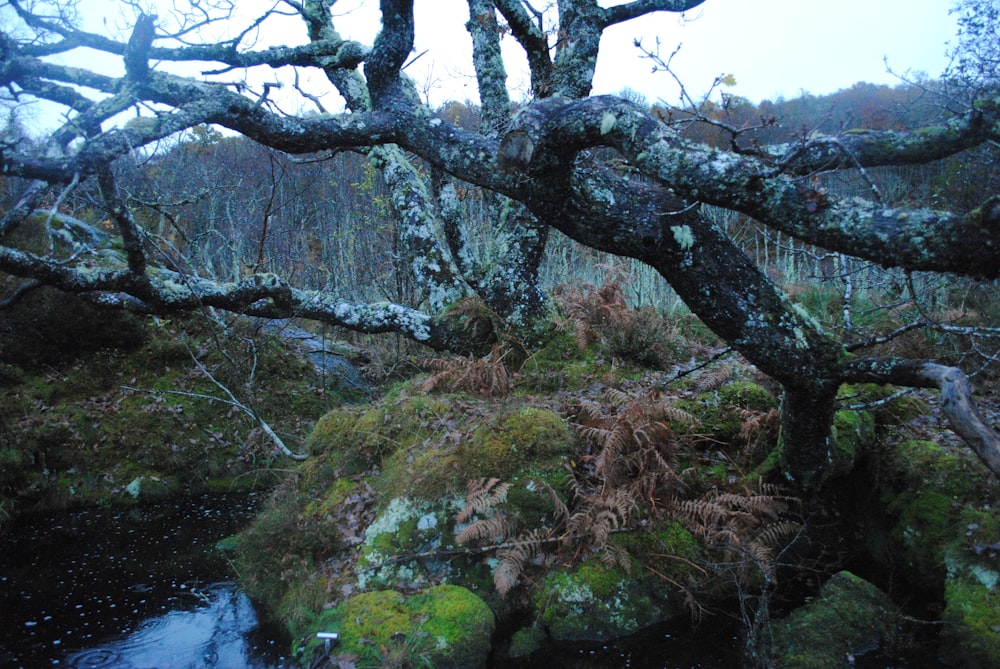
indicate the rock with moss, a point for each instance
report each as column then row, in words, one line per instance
column 851, row 434
column 940, row 530
column 116, row 421
column 595, row 602
column 971, row 637
column 525, row 641
column 850, row 618
column 442, row 627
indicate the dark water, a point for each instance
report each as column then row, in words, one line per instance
column 131, row 588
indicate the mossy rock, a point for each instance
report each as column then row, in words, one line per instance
column 921, row 464
column 850, row 618
column 594, row 602
column 402, row 545
column 525, row 641
column 941, row 530
column 442, row 627
column 852, row 433
column 333, row 439
column 748, row 395
column 518, row 441
column 971, row 635
column 412, row 541
column 934, row 499
column 528, row 436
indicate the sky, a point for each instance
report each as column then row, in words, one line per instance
column 784, row 47
column 771, row 48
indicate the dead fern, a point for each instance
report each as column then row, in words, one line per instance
column 514, row 555
column 483, row 496
column 713, row 380
column 746, row 529
column 627, row 475
column 640, row 335
column 488, row 377
column 494, row 529
column 758, row 429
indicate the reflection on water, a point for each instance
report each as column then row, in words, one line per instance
column 130, row 588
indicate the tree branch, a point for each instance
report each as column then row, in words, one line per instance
column 956, row 398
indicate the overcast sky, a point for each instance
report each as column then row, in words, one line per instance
column 784, row 47
column 771, row 47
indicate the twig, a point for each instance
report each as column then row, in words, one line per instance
column 233, row 402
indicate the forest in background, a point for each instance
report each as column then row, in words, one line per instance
column 225, row 207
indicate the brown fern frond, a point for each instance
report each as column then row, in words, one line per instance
column 483, row 496
column 756, row 505
column 614, row 556
column 596, row 436
column 713, row 380
column 601, row 526
column 442, row 364
column 486, row 376
column 513, row 557
column 582, row 333
column 435, row 381
column 495, row 529
column 653, row 434
column 773, row 535
column 590, row 413
column 560, row 510
column 618, row 398
column 506, row 574
column 618, row 441
column 674, row 414
column 624, row 504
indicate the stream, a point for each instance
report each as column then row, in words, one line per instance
column 131, row 588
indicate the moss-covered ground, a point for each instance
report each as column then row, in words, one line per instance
column 127, row 408
column 427, row 506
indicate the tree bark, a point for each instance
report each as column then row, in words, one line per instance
column 956, row 398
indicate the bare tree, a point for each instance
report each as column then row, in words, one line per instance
column 535, row 167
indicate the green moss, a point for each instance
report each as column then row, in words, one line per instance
column 747, row 395
column 971, row 636
column 525, row 641
column 561, row 365
column 669, row 538
column 593, row 602
column 444, row 626
column 439, row 460
column 852, row 432
column 925, row 464
column 524, row 436
column 923, row 529
column 851, row 617
column 333, row 497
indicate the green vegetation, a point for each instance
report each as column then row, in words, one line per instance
column 125, row 414
column 370, row 521
column 444, row 627
column 849, row 619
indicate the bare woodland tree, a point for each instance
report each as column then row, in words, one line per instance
column 534, row 165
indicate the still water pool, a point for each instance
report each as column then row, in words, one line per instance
column 131, row 588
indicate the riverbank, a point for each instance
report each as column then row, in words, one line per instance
column 599, row 490
column 583, row 500
column 125, row 409
column 137, row 586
